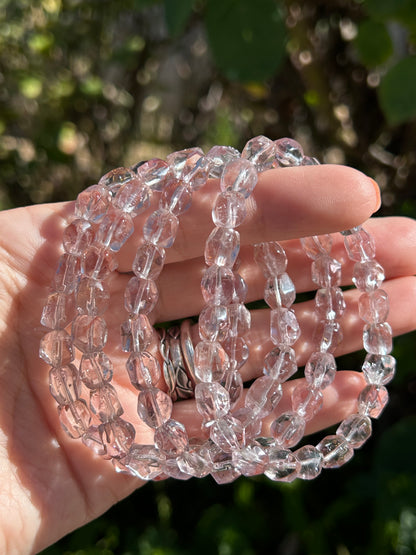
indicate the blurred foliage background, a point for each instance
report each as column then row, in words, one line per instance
column 87, row 85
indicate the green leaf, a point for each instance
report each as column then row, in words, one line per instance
column 397, row 91
column 177, row 13
column 386, row 9
column 247, row 38
column 373, row 43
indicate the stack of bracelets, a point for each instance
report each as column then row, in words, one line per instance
column 231, row 442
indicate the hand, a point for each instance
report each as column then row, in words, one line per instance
column 50, row 484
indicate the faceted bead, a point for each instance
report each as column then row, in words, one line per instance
column 360, row 245
column 149, row 261
column 217, row 285
column 171, row 438
column 374, row 306
column 271, row 258
column 144, row 461
column 140, row 295
column 212, row 401
column 98, row 263
column 327, row 335
column 105, row 404
column 288, row 429
column 77, row 237
column 309, row 161
column 176, row 198
column 213, row 323
column 251, row 424
column 56, row 348
column 117, row 436
column 261, row 151
column 95, row 369
column 114, row 179
column 115, row 228
column 136, row 333
column 329, row 303
column 58, row 311
column 280, row 291
column 143, row 370
column 335, row 451
column 133, row 197
column 306, row 401
column 288, row 152
column 229, row 209
column 378, row 338
column 196, row 176
column 372, row 400
column 356, row 429
column 263, row 396
column 92, row 203
column 227, row 433
column 89, row 333
column 317, row 245
column 240, row 289
column 64, row 384
column 310, row 462
column 172, row 470
column 154, row 407
column 222, row 247
column 284, row 327
column 282, row 467
column 195, row 462
column 235, row 386
column 154, row 173
column 320, row 370
column 218, row 158
column 92, row 296
column 239, row 175
column 211, row 361
column 183, row 161
column 237, row 351
column 239, row 319
column 368, row 275
column 75, row 418
column 280, row 364
column 92, row 439
column 67, row 275
column 379, row 369
column 223, row 469
column 250, row 460
column 326, row 271
column 161, row 228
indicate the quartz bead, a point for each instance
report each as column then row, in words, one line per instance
column 368, row 275
column 75, row 418
column 56, row 348
column 92, row 296
column 271, row 258
column 378, row 338
column 213, row 323
column 329, row 303
column 280, row 291
column 227, row 433
column 212, row 401
column 335, row 451
column 196, row 176
column 154, row 407
column 360, row 245
column 217, row 285
column 284, row 327
column 211, row 361
column 117, row 437
column 149, row 261
column 144, row 461
column 282, row 467
column 89, row 333
column 92, row 203
column 251, row 424
column 222, row 247
column 309, row 161
column 77, row 237
column 136, row 333
column 195, row 462
column 261, row 151
column 114, row 179
column 234, row 385
column 326, row 271
column 240, row 288
column 58, row 311
column 182, row 161
column 288, row 152
column 327, row 335
column 379, row 369
column 237, row 351
column 317, row 246
column 239, row 319
column 176, row 197
column 161, row 228
column 280, row 363
column 288, row 429
column 250, row 460
column 229, row 209
column 105, row 404
column 133, row 197
column 320, row 369
column 92, row 439
column 263, row 396
column 171, row 438
column 372, row 400
column 310, row 462
column 356, row 429
column 64, row 384
column 143, row 370
column 140, row 295
column 306, row 401
column 98, row 263
column 115, row 228
column 240, row 176
column 154, row 173
column 95, row 369
column 67, row 275
column 172, row 470
column 223, row 469
column 218, row 158
column 374, row 306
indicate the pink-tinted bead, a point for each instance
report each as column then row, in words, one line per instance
column 92, row 296
column 77, row 237
column 284, row 327
column 196, row 461
column 288, row 152
column 263, row 396
column 239, row 319
column 149, row 261
column 196, row 176
column 326, row 271
column 114, row 179
column 360, row 245
column 98, row 263
column 288, row 429
column 92, row 203
column 240, row 289
column 58, row 311
column 89, row 333
column 217, row 285
column 95, row 369
column 280, row 363
column 75, row 418
column 378, row 338
column 154, row 407
column 368, row 276
column 261, row 151
column 118, row 437
column 64, row 384
column 176, row 197
column 115, row 228
column 235, row 386
column 171, row 438
column 306, row 401
column 182, row 162
column 327, row 335
column 211, row 361
column 229, row 209
column 92, row 439
column 329, row 303
column 251, row 424
column 218, row 158
column 105, row 404
column 213, row 323
column 212, row 401
column 374, row 306
column 143, row 370
column 282, row 467
column 133, row 197
column 335, row 451
column 56, row 348
column 227, row 433
column 145, row 461
column 271, row 258
column 222, row 247
column 280, row 291
column 161, row 228
column 154, row 173
column 372, row 400
column 239, row 175
column 356, row 429
column 67, row 275
column 136, row 333
column 320, row 369
column 310, row 462
column 316, row 246
column 250, row 460
column 379, row 369
column 237, row 351
column 140, row 295
column 223, row 469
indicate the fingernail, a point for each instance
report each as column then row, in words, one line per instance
column 378, row 195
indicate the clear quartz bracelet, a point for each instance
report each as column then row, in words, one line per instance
column 232, row 441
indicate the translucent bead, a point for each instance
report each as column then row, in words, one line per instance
column 144, row 461
column 212, row 401
column 240, row 288
column 374, row 306
column 140, row 295
column 280, row 364
column 288, row 429
column 282, row 467
column 195, row 462
column 239, row 319
column 356, row 429
column 360, row 245
column 329, row 303
column 117, row 436
column 223, row 469
column 261, row 151
column 227, row 433
column 372, row 400
column 251, row 424
column 237, row 351
column 229, row 209
column 368, row 275
column 327, row 335
column 143, row 370
column 95, row 369
column 114, row 179
column 309, row 161
column 133, row 197
column 136, row 333
column 161, row 228
column 239, row 175
column 171, row 438
column 326, row 271
column 288, row 152
column 58, row 311
column 105, row 404
column 98, row 263
column 211, row 361
column 115, row 228
column 154, row 173
column 183, row 161
column 64, row 384
column 154, row 407
column 67, row 275
column 74, row 418
column 77, row 237
column 217, row 285
column 176, row 197
column 89, row 333
column 250, row 460
column 92, row 203
column 284, row 327
column 306, row 401
column 310, row 462
column 335, row 451
column 280, row 291
column 320, row 370
column 92, row 439
column 317, row 245
column 378, row 338
column 218, row 158
column 213, row 323
column 196, row 176
column 235, row 387
column 379, row 369
column 271, row 258
column 149, row 261
column 56, row 348
column 263, row 396
column 172, row 470
column 92, row 296
column 222, row 247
